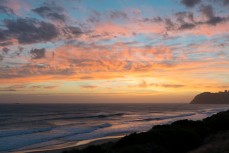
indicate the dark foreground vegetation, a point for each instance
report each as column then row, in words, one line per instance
column 211, row 135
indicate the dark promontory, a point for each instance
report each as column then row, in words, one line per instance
column 212, row 98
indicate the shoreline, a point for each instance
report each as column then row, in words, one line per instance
column 75, row 145
column 58, row 146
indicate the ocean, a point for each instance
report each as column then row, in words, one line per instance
column 25, row 127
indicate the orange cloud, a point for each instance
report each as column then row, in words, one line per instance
column 112, row 30
column 89, row 87
column 120, row 61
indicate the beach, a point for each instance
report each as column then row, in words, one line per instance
column 77, row 145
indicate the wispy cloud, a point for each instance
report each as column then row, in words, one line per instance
column 144, row 84
column 89, row 87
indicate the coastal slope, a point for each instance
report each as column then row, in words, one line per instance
column 182, row 136
column 212, row 98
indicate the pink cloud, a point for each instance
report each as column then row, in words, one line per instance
column 18, row 6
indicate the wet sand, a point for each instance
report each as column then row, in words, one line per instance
column 75, row 145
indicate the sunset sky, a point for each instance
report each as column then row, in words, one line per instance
column 112, row 51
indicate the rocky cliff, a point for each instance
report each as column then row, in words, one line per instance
column 212, row 98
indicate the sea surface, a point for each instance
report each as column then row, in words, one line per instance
column 48, row 126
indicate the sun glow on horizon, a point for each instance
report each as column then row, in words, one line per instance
column 116, row 51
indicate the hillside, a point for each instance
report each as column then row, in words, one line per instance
column 212, row 98
column 179, row 137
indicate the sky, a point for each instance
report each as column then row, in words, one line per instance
column 105, row 51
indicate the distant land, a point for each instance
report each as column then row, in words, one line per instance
column 212, row 98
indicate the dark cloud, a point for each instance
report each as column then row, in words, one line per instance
column 3, row 35
column 169, row 24
column 29, row 30
column 94, row 17
column 185, row 20
column 71, row 32
column 28, row 70
column 51, row 12
column 6, row 10
column 190, row 3
column 216, row 20
column 1, row 57
column 5, row 50
column 19, row 51
column 74, row 30
column 208, row 12
column 156, row 19
column 183, row 17
column 187, row 26
column 225, row 2
column 180, row 21
column 37, row 53
column 118, row 15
